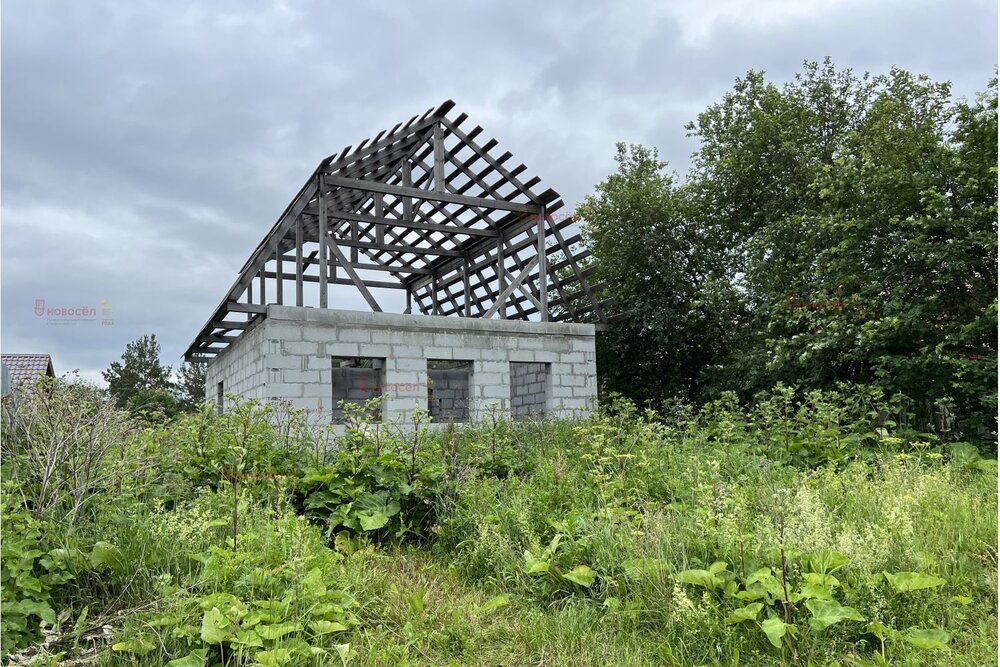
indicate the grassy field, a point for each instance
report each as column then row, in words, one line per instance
column 824, row 530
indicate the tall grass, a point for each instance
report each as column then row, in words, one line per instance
column 628, row 538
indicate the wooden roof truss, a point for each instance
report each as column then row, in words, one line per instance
column 427, row 207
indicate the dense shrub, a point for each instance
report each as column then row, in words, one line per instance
column 795, row 530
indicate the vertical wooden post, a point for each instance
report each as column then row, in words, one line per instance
column 324, row 274
column 434, row 294
column 438, row 157
column 543, row 268
column 354, row 250
column 298, row 261
column 379, row 212
column 263, row 285
column 407, row 182
column 466, row 287
column 501, row 275
column 409, row 301
column 279, row 274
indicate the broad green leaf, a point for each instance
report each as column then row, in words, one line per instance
column 326, row 627
column 904, row 582
column 759, row 575
column 276, row 630
column 699, row 578
column 812, row 592
column 496, row 602
column 754, row 592
column 533, row 565
column 776, row 629
column 962, row 600
column 880, row 630
column 344, row 651
column 313, row 584
column 826, row 561
column 581, row 575
column 248, row 638
column 32, row 607
column 717, row 567
column 928, row 639
column 767, row 581
column 195, row 658
column 373, row 521
column 964, row 453
column 215, row 627
column 137, row 646
column 827, row 581
column 275, row 657
column 826, row 612
column 105, row 554
column 375, row 509
column 230, row 605
column 747, row 613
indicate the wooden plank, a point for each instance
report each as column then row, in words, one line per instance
column 381, row 284
column 237, row 307
column 543, row 286
column 360, row 284
column 323, row 239
column 466, row 289
column 279, row 274
column 298, row 262
column 531, row 297
column 417, row 193
column 381, row 219
column 438, row 157
column 402, row 249
column 382, row 267
column 230, row 326
column 501, row 304
column 505, row 294
column 576, row 270
column 485, row 154
column 407, row 183
column 482, row 246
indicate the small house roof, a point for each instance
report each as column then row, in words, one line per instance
column 26, row 367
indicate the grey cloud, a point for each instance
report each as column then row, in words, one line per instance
column 148, row 146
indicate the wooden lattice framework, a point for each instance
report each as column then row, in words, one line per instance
column 432, row 209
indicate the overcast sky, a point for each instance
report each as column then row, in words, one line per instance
column 147, row 147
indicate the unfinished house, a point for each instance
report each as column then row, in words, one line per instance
column 476, row 294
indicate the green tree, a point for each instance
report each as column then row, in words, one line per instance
column 190, row 386
column 665, row 269
column 139, row 369
column 852, row 223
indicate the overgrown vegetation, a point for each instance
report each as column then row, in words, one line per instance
column 766, row 513
column 800, row 531
column 147, row 388
column 836, row 228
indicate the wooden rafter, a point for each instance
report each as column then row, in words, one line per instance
column 436, row 211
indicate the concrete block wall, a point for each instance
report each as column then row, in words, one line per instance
column 448, row 391
column 291, row 352
column 240, row 367
column 529, row 388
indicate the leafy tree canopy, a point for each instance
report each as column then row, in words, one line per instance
column 190, row 386
column 836, row 228
column 139, row 368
